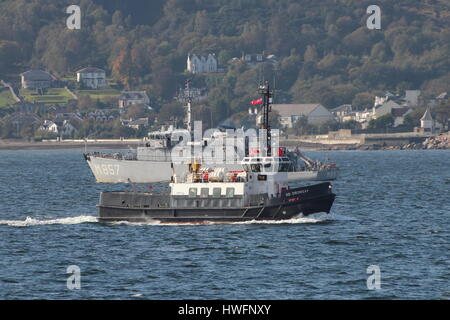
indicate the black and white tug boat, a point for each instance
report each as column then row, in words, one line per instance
column 258, row 192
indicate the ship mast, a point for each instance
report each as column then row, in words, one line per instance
column 267, row 107
column 188, row 97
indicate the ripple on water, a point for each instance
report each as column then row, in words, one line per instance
column 383, row 215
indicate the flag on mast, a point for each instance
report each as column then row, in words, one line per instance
column 256, row 102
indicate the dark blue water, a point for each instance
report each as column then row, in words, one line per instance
column 392, row 210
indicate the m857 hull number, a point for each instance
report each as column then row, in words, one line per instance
column 107, row 169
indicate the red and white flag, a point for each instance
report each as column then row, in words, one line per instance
column 256, row 102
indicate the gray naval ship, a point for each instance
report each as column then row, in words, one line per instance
column 260, row 191
column 153, row 163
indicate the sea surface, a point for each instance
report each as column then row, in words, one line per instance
column 392, row 211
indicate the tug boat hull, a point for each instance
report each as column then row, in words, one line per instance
column 130, row 207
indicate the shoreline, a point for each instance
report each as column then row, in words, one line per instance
column 11, row 145
column 25, row 145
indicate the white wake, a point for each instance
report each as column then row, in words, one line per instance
column 316, row 218
column 29, row 221
column 37, row 222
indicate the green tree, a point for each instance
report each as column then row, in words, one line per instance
column 382, row 123
column 442, row 113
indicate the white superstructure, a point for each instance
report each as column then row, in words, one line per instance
column 261, row 175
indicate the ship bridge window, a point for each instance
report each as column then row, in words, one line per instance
column 192, row 192
column 230, row 192
column 284, row 167
column 217, row 192
column 256, row 167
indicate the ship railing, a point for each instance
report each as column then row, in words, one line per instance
column 156, row 158
column 113, row 155
column 216, row 175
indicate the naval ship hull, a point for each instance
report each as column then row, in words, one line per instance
column 110, row 170
column 145, row 207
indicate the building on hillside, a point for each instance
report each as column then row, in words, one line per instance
column 129, row 98
column 29, row 107
column 37, row 79
column 49, row 127
column 253, row 59
column 202, row 63
column 136, row 124
column 20, row 120
column 103, row 115
column 399, row 115
column 69, row 128
column 92, row 77
column 343, row 113
column 61, row 116
column 384, row 109
column 388, row 96
column 412, row 98
column 290, row 113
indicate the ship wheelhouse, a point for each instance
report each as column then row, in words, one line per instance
column 266, row 164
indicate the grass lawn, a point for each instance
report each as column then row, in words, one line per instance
column 52, row 96
column 6, row 97
column 71, row 78
column 100, row 94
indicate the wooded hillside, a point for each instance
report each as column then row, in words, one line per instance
column 325, row 51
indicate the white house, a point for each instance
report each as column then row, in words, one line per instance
column 385, row 108
column 49, row 126
column 290, row 113
column 92, row 77
column 68, row 129
column 129, row 98
column 380, row 100
column 427, row 122
column 202, row 63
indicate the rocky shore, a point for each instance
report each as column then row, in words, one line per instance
column 441, row 142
